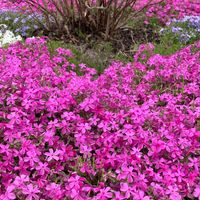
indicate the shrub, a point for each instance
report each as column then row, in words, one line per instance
column 101, row 17
column 132, row 132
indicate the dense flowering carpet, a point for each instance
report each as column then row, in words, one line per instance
column 131, row 133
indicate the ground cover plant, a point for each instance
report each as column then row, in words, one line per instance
column 97, row 115
column 68, row 136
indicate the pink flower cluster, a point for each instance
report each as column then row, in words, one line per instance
column 174, row 9
column 131, row 133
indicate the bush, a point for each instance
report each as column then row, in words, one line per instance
column 132, row 132
column 101, row 17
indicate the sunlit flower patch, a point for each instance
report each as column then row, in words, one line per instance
column 131, row 133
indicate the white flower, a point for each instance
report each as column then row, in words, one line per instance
column 7, row 36
column 162, row 30
column 3, row 26
column 18, row 38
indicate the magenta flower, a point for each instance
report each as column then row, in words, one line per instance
column 126, row 189
column 126, row 173
column 173, row 193
column 84, row 127
column 20, row 180
column 65, row 52
column 118, row 196
column 31, row 192
column 197, row 192
column 9, row 193
column 42, row 168
column 52, row 155
column 31, row 157
column 104, row 194
column 140, row 195
column 75, row 181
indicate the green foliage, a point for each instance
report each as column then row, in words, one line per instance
column 97, row 56
column 168, row 45
column 123, row 57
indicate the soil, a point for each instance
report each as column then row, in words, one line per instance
column 125, row 38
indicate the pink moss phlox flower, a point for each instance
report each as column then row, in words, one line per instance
column 132, row 132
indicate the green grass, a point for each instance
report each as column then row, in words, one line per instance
column 98, row 54
column 170, row 42
column 166, row 48
column 96, row 57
